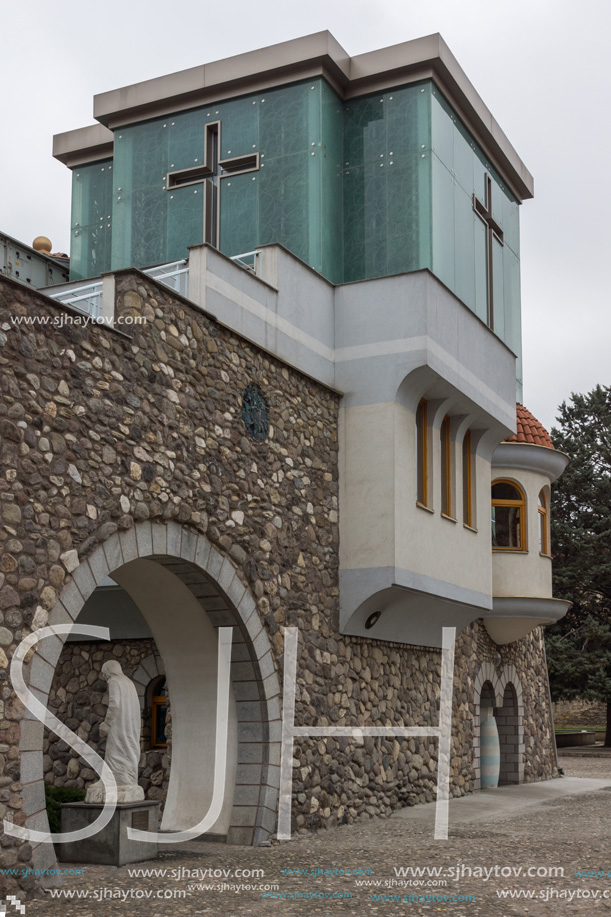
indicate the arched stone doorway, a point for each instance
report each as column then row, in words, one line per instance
column 184, row 588
column 503, row 688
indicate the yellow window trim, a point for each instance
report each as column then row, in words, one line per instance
column 522, row 548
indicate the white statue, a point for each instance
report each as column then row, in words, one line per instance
column 122, row 726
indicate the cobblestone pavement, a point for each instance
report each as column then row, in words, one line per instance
column 571, row 833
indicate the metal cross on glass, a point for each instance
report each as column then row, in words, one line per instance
column 209, row 175
column 493, row 231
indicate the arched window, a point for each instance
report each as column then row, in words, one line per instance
column 543, row 524
column 422, row 453
column 467, row 481
column 508, row 517
column 159, row 711
column 446, row 468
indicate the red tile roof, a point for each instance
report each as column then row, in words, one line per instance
column 530, row 430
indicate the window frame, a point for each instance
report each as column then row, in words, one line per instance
column 543, row 518
column 522, row 548
column 445, row 439
column 157, row 700
column 468, row 516
column 422, row 454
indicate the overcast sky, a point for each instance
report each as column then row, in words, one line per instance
column 541, row 66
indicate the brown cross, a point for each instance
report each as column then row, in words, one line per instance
column 484, row 212
column 209, row 175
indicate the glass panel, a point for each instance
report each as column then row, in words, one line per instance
column 505, row 491
column 465, row 162
column 442, row 130
column 466, row 479
column 421, row 452
column 240, row 212
column 498, row 289
column 506, row 527
column 543, row 544
column 284, row 203
column 91, row 222
column 445, row 467
column 481, row 275
column 352, row 189
column 464, row 252
column 331, row 167
column 510, row 221
column 387, row 183
column 160, row 712
column 443, row 217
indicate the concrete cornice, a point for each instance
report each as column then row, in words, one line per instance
column 529, row 457
column 86, row 144
column 547, row 610
column 313, row 55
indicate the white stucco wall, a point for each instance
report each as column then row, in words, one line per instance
column 528, row 572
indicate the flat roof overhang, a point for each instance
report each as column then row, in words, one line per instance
column 313, row 55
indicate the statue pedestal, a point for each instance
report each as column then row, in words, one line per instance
column 110, row 846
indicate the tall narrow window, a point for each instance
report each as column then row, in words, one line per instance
column 508, row 525
column 159, row 714
column 446, row 477
column 467, row 481
column 543, row 529
column 422, row 453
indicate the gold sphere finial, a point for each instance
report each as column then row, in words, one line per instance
column 42, row 244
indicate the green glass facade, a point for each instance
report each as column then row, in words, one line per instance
column 92, row 204
column 458, row 171
column 378, row 185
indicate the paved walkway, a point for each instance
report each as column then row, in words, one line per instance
column 553, row 829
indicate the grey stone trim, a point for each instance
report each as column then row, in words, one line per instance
column 41, row 674
column 159, row 536
column 255, row 682
column 34, row 796
column 148, row 670
column 112, row 552
column 144, row 538
column 99, row 566
column 509, row 714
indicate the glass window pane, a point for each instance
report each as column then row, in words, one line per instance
column 506, row 527
column 160, row 711
column 505, row 491
column 420, row 446
column 466, row 479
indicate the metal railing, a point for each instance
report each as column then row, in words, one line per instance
column 174, row 275
column 250, row 260
column 88, row 297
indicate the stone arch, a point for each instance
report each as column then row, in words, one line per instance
column 509, row 714
column 214, row 580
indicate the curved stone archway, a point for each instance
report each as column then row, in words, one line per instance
column 144, row 560
column 509, row 714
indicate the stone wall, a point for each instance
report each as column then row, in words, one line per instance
column 100, row 430
column 79, row 697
